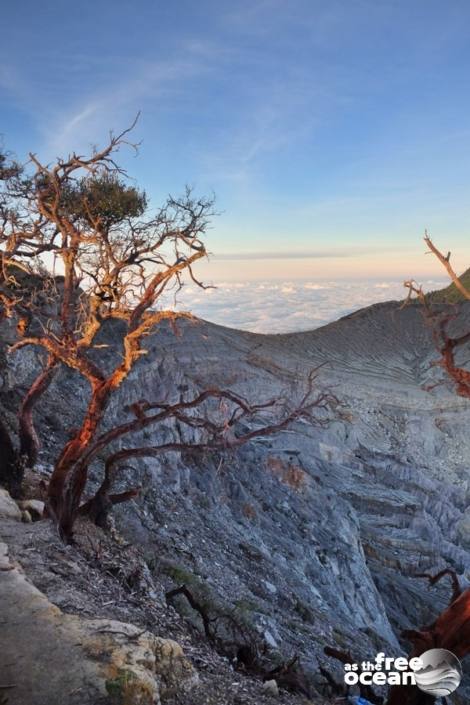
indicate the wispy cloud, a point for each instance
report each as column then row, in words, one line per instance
column 116, row 102
column 74, row 111
column 67, row 131
column 293, row 254
column 314, row 123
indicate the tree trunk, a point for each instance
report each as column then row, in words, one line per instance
column 70, row 473
column 29, row 441
column 99, row 507
column 450, row 631
column 11, row 465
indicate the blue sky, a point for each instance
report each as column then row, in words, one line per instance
column 331, row 132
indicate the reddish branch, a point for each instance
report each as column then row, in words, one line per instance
column 29, row 440
column 433, row 579
column 218, row 432
column 450, row 631
column 115, row 263
column 23, row 237
column 98, row 507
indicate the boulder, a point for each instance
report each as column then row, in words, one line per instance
column 8, row 507
column 54, row 658
column 271, row 688
column 34, row 506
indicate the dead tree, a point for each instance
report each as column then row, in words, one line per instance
column 451, row 631
column 439, row 320
column 250, row 652
column 112, row 261
column 216, row 425
column 29, row 290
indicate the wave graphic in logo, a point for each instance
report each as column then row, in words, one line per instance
column 441, row 673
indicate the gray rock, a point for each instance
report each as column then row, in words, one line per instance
column 271, row 688
column 337, row 519
column 34, row 506
column 8, row 507
column 52, row 658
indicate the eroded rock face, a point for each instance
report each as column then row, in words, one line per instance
column 52, row 658
column 311, row 537
column 314, row 536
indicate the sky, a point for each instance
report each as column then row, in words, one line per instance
column 331, row 133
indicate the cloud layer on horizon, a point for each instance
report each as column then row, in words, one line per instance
column 282, row 307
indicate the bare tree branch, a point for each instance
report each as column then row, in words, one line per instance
column 439, row 321
column 445, row 261
column 433, row 579
column 217, row 434
column 114, row 261
column 29, row 440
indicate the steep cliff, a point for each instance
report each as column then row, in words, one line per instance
column 310, row 538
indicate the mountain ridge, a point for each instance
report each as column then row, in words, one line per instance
column 450, row 294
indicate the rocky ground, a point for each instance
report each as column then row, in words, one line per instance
column 94, row 612
column 308, row 539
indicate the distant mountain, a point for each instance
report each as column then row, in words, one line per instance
column 450, row 294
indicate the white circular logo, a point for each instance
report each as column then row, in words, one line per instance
column 440, row 673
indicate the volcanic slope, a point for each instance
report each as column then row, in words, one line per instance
column 310, row 537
